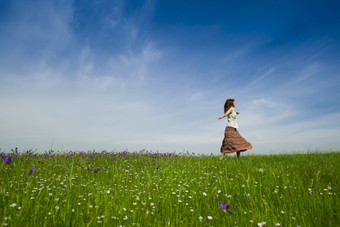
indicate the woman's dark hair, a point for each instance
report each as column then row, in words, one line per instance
column 229, row 103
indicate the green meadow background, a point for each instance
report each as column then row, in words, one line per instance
column 154, row 189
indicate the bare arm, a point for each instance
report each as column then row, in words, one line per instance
column 225, row 114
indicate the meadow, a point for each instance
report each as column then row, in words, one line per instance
column 168, row 189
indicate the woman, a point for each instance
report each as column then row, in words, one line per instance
column 233, row 141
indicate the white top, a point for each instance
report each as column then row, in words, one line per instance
column 232, row 118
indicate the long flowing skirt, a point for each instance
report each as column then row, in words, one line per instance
column 233, row 141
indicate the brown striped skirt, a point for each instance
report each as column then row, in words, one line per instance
column 233, row 141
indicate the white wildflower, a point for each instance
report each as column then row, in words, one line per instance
column 261, row 223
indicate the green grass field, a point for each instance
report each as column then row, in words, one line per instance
column 151, row 189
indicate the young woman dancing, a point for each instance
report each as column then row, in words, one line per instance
column 233, row 141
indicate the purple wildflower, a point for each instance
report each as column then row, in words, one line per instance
column 211, row 182
column 7, row 159
column 154, row 165
column 87, row 168
column 32, row 170
column 98, row 169
column 225, row 207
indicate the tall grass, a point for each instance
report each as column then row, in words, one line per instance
column 152, row 189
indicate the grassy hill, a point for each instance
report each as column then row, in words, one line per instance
column 154, row 189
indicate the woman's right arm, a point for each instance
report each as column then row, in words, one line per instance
column 225, row 114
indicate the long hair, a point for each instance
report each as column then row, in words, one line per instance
column 229, row 103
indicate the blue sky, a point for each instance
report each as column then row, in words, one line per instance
column 116, row 75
